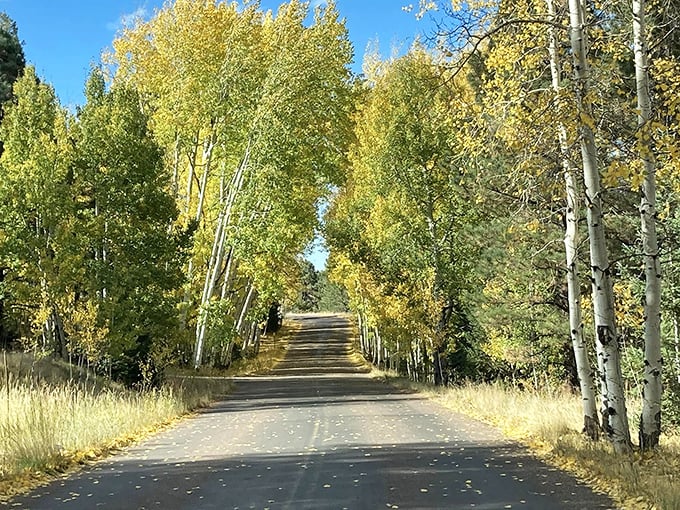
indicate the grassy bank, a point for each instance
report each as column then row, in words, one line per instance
column 53, row 418
column 550, row 423
column 47, row 428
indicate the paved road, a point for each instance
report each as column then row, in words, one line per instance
column 320, row 434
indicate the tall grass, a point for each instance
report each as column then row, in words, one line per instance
column 550, row 421
column 54, row 415
column 47, row 428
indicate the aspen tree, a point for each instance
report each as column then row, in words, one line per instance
column 258, row 116
column 615, row 415
column 591, row 425
column 35, row 209
column 650, row 420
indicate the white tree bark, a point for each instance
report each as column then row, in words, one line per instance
column 591, row 423
column 190, row 176
column 229, row 272
column 615, row 415
column 362, row 343
column 217, row 257
column 208, row 147
column 246, row 306
column 175, row 168
column 650, row 420
column 209, row 285
column 187, row 208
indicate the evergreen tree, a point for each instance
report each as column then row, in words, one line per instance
column 12, row 59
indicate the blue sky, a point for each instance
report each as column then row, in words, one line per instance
column 63, row 38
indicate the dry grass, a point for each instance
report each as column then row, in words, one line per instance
column 550, row 422
column 51, row 420
column 46, row 429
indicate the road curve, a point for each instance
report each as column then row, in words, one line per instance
column 319, row 434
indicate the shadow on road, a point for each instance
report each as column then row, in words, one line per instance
column 422, row 476
column 321, row 347
column 276, row 392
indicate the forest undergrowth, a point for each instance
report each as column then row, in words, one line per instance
column 549, row 421
column 50, row 422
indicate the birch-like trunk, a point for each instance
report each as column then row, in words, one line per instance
column 591, row 423
column 378, row 346
column 175, row 168
column 362, row 340
column 187, row 208
column 229, row 273
column 650, row 420
column 190, row 177
column 615, row 415
column 208, row 288
column 208, row 147
column 246, row 306
column 217, row 258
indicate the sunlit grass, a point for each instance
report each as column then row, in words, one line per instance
column 550, row 422
column 45, row 428
column 51, row 420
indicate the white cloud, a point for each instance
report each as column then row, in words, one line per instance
column 127, row 20
column 319, row 3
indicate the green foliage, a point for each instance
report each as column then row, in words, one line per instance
column 132, row 257
column 398, row 231
column 308, row 296
column 332, row 297
column 91, row 263
column 254, row 116
column 671, row 404
column 36, row 210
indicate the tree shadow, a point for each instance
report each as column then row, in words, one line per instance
column 423, row 476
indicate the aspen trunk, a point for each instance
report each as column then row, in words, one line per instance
column 360, row 331
column 257, row 341
column 229, row 272
column 615, row 415
column 217, row 257
column 175, row 169
column 247, row 339
column 591, row 423
column 409, row 372
column 378, row 346
column 246, row 306
column 187, row 208
column 208, row 147
column 190, row 177
column 208, row 288
column 650, row 420
column 364, row 335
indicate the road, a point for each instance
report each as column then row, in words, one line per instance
column 320, row 434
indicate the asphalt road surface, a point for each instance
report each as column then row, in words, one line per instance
column 319, row 434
